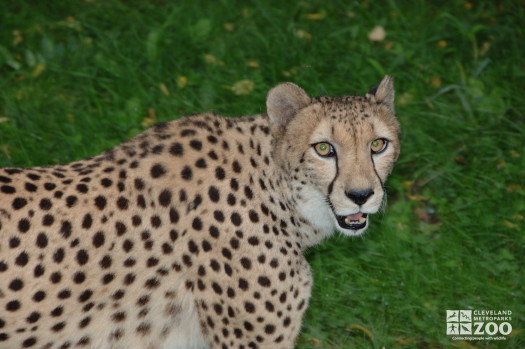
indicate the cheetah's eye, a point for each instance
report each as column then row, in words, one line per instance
column 378, row 146
column 324, row 149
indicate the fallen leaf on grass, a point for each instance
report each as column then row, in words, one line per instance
column 442, row 43
column 377, row 34
column 316, row 342
column 17, row 37
column 509, row 224
column 316, row 16
column 485, row 47
column 435, row 81
column 243, row 87
column 290, row 72
column 301, row 34
column 363, row 329
column 460, row 160
column 150, row 119
column 182, row 81
column 208, row 58
column 514, row 154
column 422, row 215
column 405, row 98
column 3, row 119
column 389, row 45
column 164, row 89
column 5, row 150
column 514, row 187
column 39, row 69
column 417, row 197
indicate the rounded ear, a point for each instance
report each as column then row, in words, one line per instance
column 384, row 93
column 283, row 102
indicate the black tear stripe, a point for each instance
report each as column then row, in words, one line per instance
column 375, row 171
column 331, row 185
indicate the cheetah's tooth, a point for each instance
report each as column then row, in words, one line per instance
column 360, row 221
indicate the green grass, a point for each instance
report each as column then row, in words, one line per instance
column 79, row 77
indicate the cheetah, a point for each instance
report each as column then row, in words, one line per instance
column 191, row 235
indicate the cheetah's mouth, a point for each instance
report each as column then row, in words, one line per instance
column 354, row 221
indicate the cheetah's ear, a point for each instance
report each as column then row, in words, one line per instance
column 384, row 93
column 283, row 102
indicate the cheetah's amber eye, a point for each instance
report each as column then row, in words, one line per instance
column 378, row 146
column 324, row 149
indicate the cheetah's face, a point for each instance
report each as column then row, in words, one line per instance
column 339, row 152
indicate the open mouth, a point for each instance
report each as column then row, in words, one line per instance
column 354, row 221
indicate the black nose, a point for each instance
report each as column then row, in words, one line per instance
column 359, row 196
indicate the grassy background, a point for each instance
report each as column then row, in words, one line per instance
column 78, row 77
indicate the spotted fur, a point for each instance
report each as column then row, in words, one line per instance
column 190, row 235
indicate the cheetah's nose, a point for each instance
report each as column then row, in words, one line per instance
column 359, row 196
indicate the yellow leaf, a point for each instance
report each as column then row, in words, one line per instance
column 514, row 187
column 377, row 34
column 182, row 81
column 17, row 37
column 243, row 87
column 229, row 27
column 316, row 342
column 514, row 154
column 407, row 184
column 211, row 59
column 442, row 43
column 485, row 47
column 292, row 71
column 316, row 16
column 435, row 81
column 417, row 198
column 509, row 224
column 150, row 119
column 405, row 98
column 39, row 69
column 164, row 89
column 252, row 64
column 363, row 329
column 301, row 34
column 5, row 150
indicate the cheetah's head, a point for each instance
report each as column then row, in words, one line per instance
column 337, row 151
